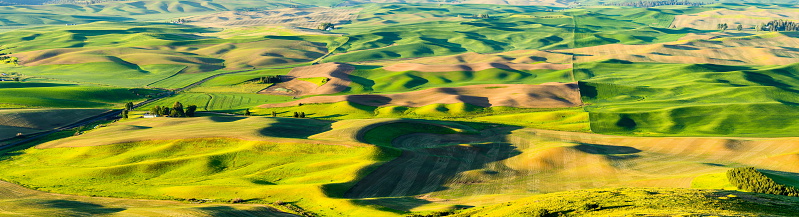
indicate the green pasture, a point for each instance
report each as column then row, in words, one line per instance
column 387, row 33
column 63, row 95
column 651, row 99
column 106, row 73
column 370, row 79
column 568, row 119
column 27, row 121
column 217, row 169
column 222, row 102
column 240, row 82
column 635, row 201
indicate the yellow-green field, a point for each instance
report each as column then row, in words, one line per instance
column 18, row 201
column 420, row 108
column 384, row 167
column 27, row 121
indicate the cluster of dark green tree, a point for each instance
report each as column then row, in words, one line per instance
column 299, row 114
column 779, row 26
column 647, row 4
column 176, row 110
column 749, row 179
column 267, row 79
column 126, row 111
column 326, row 26
column 722, row 26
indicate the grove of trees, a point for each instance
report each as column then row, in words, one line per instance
column 326, row 26
column 268, row 79
column 176, row 110
column 779, row 26
column 749, row 179
column 722, row 26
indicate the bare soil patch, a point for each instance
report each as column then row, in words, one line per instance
column 297, row 17
column 338, row 74
column 748, row 18
column 548, row 95
column 472, row 67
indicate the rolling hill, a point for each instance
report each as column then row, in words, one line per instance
column 405, row 108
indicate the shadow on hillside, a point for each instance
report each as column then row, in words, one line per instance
column 393, row 203
column 226, row 118
column 80, row 207
column 230, row 211
column 606, row 149
column 295, row 128
column 9, row 84
column 425, row 170
column 782, row 177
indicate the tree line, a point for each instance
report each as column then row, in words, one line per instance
column 267, row 79
column 779, row 26
column 176, row 110
column 647, row 4
column 749, row 179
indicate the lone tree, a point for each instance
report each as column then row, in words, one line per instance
column 326, row 26
column 177, row 109
column 247, row 112
column 740, row 27
column 302, row 114
column 129, row 106
column 190, row 110
column 125, row 114
column 296, row 115
column 274, row 114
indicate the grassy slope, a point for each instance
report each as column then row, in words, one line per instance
column 224, row 168
column 690, row 99
column 221, row 102
column 505, row 163
column 554, row 119
column 18, row 201
column 647, row 201
column 368, row 79
column 174, row 158
column 62, row 95
column 238, row 82
column 122, row 11
column 288, row 159
column 34, row 120
column 393, row 31
column 160, row 55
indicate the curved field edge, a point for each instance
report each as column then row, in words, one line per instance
column 16, row 200
column 644, row 201
column 306, row 175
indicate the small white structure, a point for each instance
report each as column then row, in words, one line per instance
column 148, row 115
